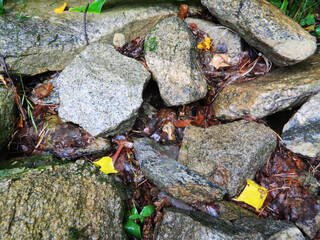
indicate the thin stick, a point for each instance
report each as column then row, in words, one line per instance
column 85, row 25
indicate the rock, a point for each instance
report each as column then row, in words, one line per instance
column 170, row 176
column 101, row 90
column 49, row 41
column 119, row 40
column 219, row 35
column 7, row 114
column 227, row 154
column 61, row 202
column 301, row 134
column 267, row 28
column 310, row 227
column 171, row 55
column 177, row 224
column 279, row 90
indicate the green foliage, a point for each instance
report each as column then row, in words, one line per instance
column 1, row 7
column 131, row 226
column 302, row 11
column 94, row 7
column 151, row 44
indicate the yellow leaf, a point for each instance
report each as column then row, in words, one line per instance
column 60, row 9
column 310, row 28
column 106, row 165
column 205, row 44
column 253, row 195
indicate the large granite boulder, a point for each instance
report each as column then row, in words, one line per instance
column 171, row 55
column 49, row 41
column 7, row 114
column 160, row 167
column 267, row 28
column 227, row 154
column 101, row 90
column 301, row 134
column 176, row 224
column 279, row 90
column 61, row 202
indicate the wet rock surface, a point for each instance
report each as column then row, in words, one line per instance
column 267, row 28
column 7, row 114
column 86, row 202
column 170, row 52
column 196, row 225
column 50, row 41
column 301, row 134
column 227, row 154
column 170, row 176
column 281, row 89
column 101, row 90
column 219, row 35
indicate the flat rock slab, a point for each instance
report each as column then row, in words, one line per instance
column 219, row 35
column 101, row 90
column 176, row 224
column 7, row 114
column 170, row 176
column 59, row 202
column 49, row 41
column 279, row 90
column 267, row 28
column 171, row 55
column 227, row 154
column 302, row 133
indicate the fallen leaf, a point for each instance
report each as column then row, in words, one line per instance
column 205, row 44
column 106, row 165
column 43, row 90
column 220, row 60
column 183, row 10
column 60, row 9
column 253, row 195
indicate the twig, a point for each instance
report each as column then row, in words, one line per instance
column 16, row 96
column 85, row 25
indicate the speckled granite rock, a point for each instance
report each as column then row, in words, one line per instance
column 227, row 154
column 176, row 224
column 302, row 133
column 279, row 90
column 265, row 27
column 171, row 55
column 101, row 90
column 56, row 202
column 160, row 167
column 49, row 41
column 7, row 114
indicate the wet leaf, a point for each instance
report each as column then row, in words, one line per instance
column 60, row 9
column 135, row 216
column 106, row 165
column 253, row 195
column 183, row 10
column 94, row 7
column 132, row 228
column 147, row 211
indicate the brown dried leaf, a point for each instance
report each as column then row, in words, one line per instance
column 43, row 90
column 220, row 60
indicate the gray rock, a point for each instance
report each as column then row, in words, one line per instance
column 170, row 176
column 49, row 41
column 310, row 227
column 177, row 224
column 302, row 133
column 7, row 114
column 267, row 28
column 60, row 202
column 219, row 34
column 227, row 154
column 279, row 90
column 101, row 90
column 170, row 51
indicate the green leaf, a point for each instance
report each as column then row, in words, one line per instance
column 278, row 3
column 135, row 216
column 132, row 228
column 310, row 19
column 134, row 210
column 147, row 211
column 94, row 7
column 317, row 30
column 1, row 7
column 284, row 6
column 142, row 220
column 302, row 22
